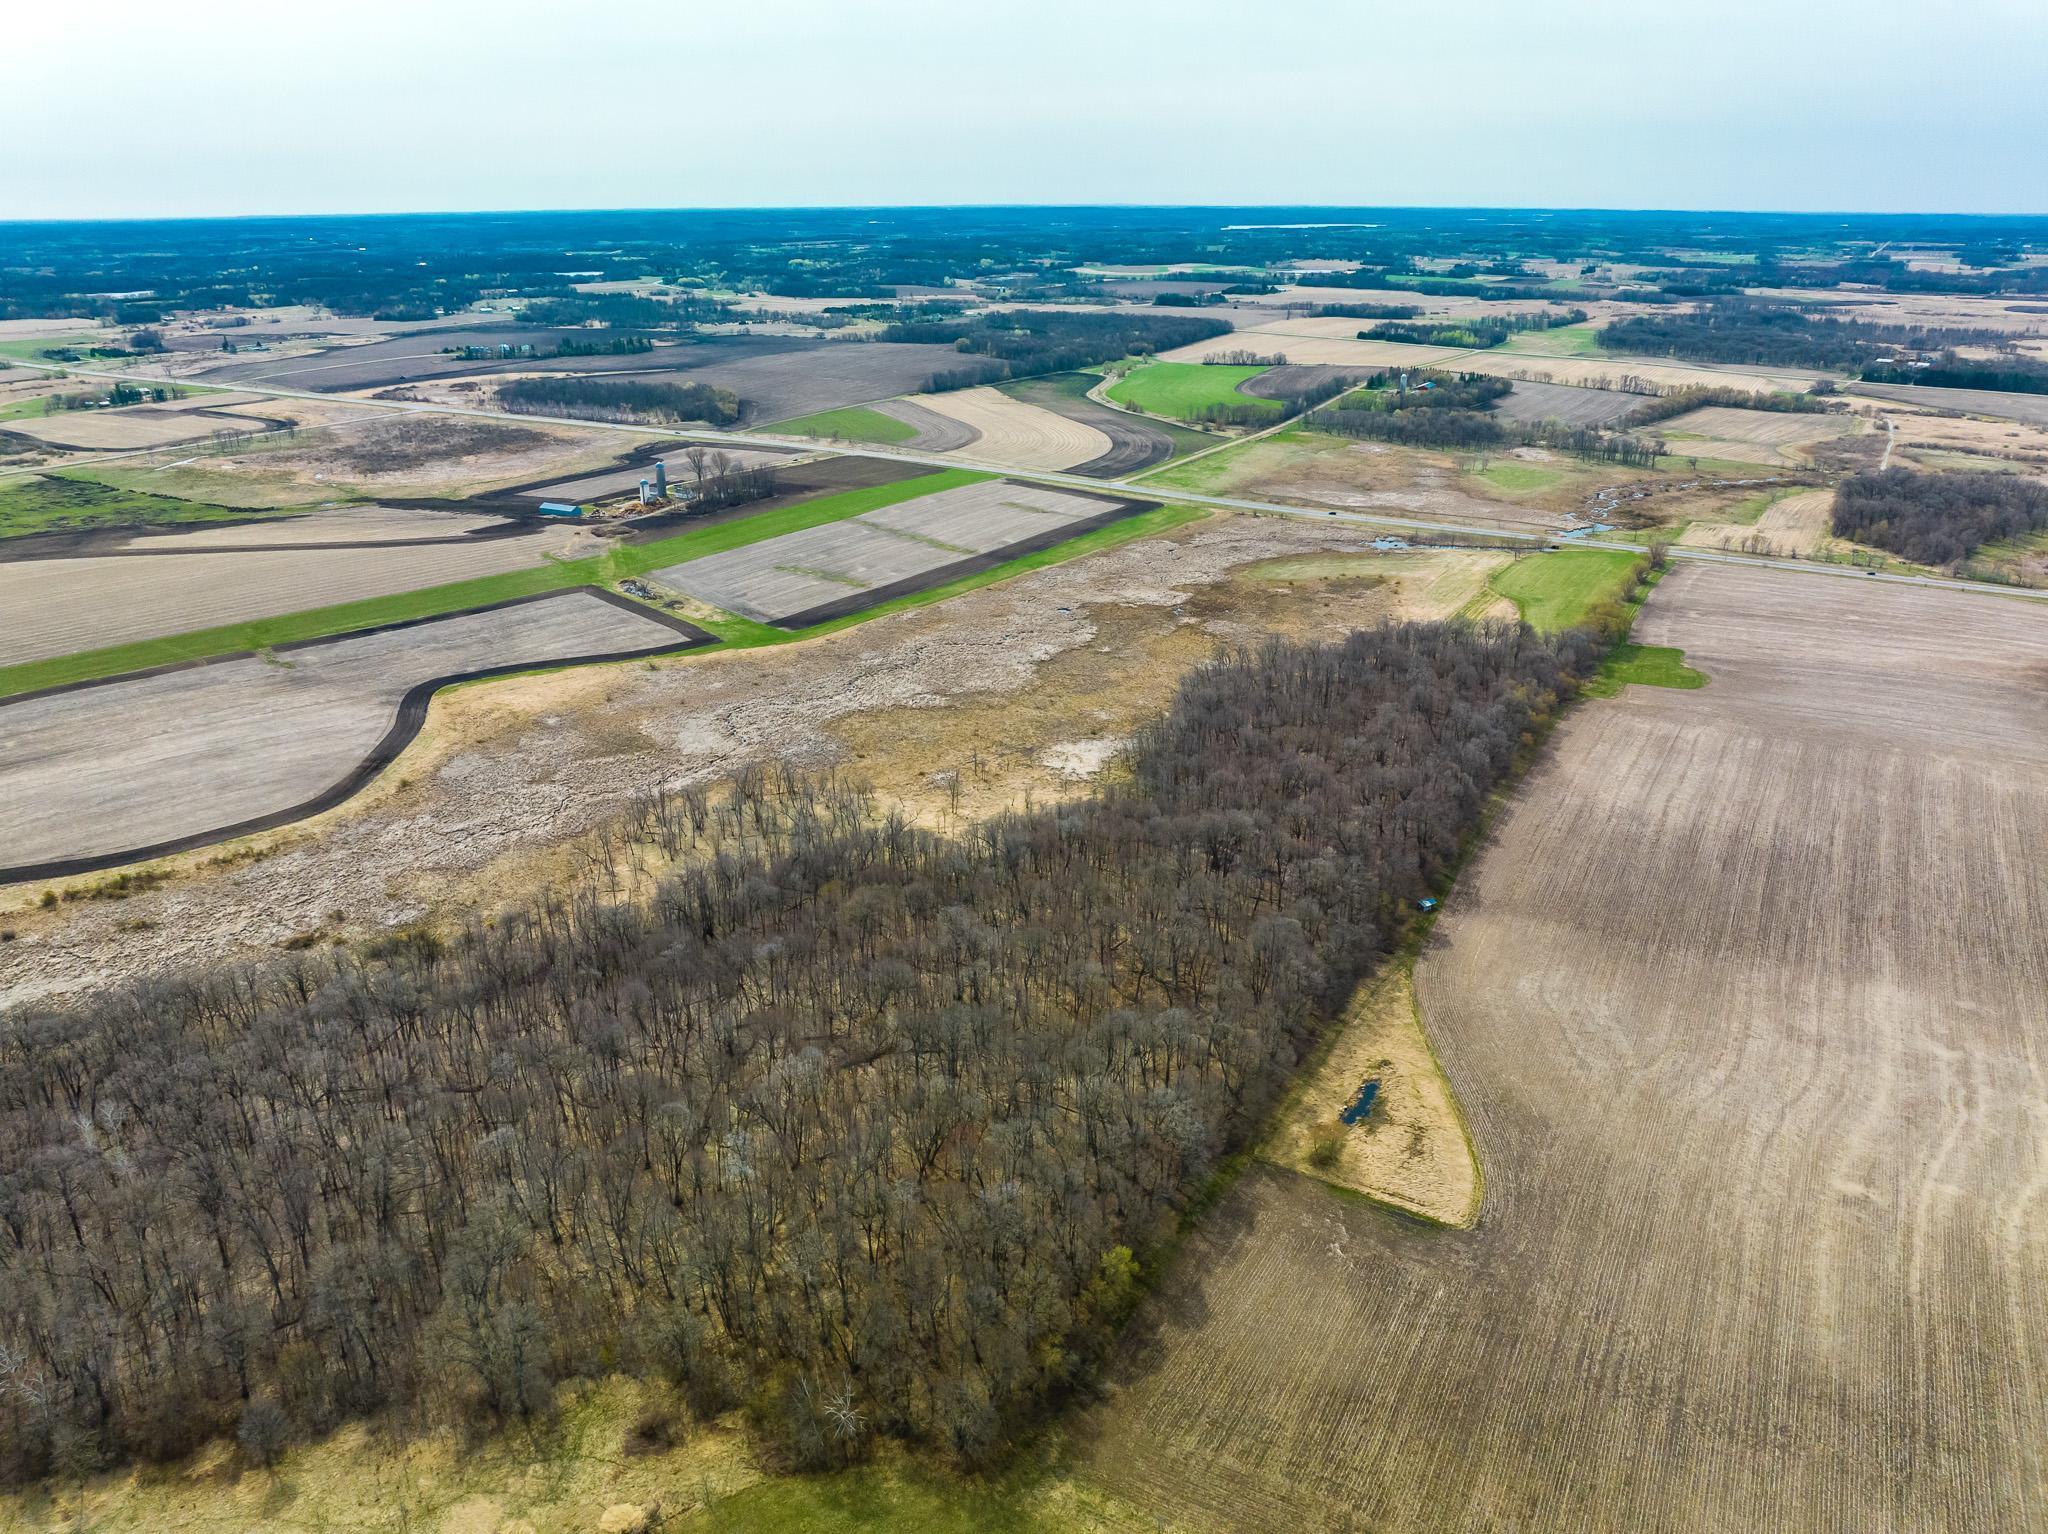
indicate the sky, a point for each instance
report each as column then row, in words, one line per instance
column 138, row 108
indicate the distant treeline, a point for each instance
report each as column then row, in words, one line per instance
column 603, row 346
column 1430, row 287
column 848, row 1125
column 621, row 399
column 1678, row 402
column 1938, row 519
column 1775, row 335
column 1473, row 333
column 632, row 310
column 1368, row 311
column 2015, row 375
column 1032, row 341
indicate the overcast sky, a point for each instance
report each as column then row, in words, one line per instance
column 150, row 108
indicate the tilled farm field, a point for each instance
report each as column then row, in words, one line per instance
column 2032, row 408
column 1017, row 435
column 1566, row 403
column 251, row 742
column 1134, row 442
column 1744, row 1003
column 805, row 577
column 58, row 606
column 1752, row 436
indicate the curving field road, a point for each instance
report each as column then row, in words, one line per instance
column 1747, row 1002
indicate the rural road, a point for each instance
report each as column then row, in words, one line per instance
column 1064, row 480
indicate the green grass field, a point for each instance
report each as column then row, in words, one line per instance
column 1180, row 389
column 855, row 423
column 1644, row 665
column 33, row 405
column 1511, row 476
column 1556, row 591
column 38, row 348
column 49, row 503
column 1564, row 341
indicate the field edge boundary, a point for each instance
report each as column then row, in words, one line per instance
column 409, row 717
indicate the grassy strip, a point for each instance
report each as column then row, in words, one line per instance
column 1649, row 665
column 854, row 423
column 428, row 601
column 1179, row 389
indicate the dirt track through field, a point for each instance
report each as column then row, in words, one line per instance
column 1745, row 1002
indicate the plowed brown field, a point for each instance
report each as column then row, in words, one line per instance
column 1745, row 1003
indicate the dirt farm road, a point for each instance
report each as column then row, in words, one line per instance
column 1135, row 488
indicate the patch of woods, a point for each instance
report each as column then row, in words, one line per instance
column 621, row 399
column 630, row 310
column 1773, row 335
column 1937, row 519
column 2012, row 374
column 1454, row 413
column 849, row 1125
column 1677, row 402
column 1473, row 333
column 1020, row 343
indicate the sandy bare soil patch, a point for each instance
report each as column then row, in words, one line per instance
column 1015, row 434
column 1744, row 1002
column 1377, row 1116
column 57, row 606
column 493, row 795
column 146, row 764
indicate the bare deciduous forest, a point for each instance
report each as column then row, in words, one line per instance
column 849, row 1124
column 1937, row 519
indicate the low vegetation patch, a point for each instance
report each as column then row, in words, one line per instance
column 58, row 503
column 1644, row 666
